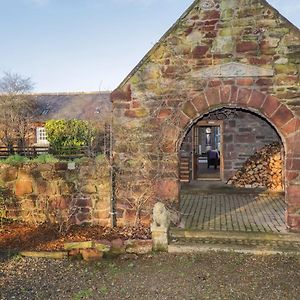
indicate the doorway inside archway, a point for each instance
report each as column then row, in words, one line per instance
column 201, row 152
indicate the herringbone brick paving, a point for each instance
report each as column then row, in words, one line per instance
column 233, row 212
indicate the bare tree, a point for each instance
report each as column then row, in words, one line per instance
column 16, row 109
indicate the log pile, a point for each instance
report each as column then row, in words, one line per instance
column 263, row 169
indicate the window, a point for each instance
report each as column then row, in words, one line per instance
column 41, row 137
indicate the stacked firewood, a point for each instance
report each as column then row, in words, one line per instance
column 263, row 169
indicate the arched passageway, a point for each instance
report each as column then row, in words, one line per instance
column 232, row 173
column 253, row 121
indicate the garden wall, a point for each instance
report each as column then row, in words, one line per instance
column 37, row 193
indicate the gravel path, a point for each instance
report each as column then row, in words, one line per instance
column 157, row 276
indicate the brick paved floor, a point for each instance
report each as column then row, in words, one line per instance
column 249, row 212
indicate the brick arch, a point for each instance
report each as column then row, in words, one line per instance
column 278, row 114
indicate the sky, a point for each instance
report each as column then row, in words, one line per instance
column 88, row 45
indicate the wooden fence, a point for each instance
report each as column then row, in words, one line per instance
column 62, row 153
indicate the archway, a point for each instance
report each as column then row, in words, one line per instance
column 233, row 180
column 265, row 106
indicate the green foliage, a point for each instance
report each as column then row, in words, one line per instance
column 15, row 160
column 69, row 134
column 44, row 159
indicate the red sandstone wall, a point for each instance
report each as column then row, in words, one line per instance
column 167, row 92
column 51, row 192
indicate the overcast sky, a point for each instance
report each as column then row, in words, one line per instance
column 87, row 45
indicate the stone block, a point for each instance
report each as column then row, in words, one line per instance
column 270, row 105
column 257, row 60
column 293, row 164
column 223, row 45
column 167, row 189
column 293, row 222
column 102, row 246
column 215, row 83
column 200, row 51
column 160, row 239
column 23, row 187
column 264, row 82
column 117, row 247
column 244, row 138
column 189, row 110
column 61, row 166
column 44, row 167
column 292, row 175
column 40, row 186
column 288, row 69
column 211, row 15
column 291, row 126
column 74, row 253
column 199, row 102
column 256, row 99
column 123, row 94
column 182, row 119
column 91, row 254
column 138, row 246
column 243, row 95
column 228, row 138
column 234, row 94
column 293, row 193
column 164, row 113
column 82, row 218
column 83, row 202
column 101, row 214
column 213, row 96
column 246, row 46
column 78, row 245
column 44, row 254
column 9, row 174
column 170, row 132
column 225, row 93
column 287, row 80
column 282, row 116
column 244, row 81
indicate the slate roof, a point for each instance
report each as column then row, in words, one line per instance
column 83, row 106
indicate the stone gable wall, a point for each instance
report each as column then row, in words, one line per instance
column 181, row 79
column 50, row 192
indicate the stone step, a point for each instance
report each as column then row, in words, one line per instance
column 196, row 247
column 191, row 241
column 178, row 233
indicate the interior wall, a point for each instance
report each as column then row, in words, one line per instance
column 243, row 136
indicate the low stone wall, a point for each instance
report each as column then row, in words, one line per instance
column 55, row 193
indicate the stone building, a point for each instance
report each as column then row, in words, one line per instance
column 94, row 107
column 239, row 59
